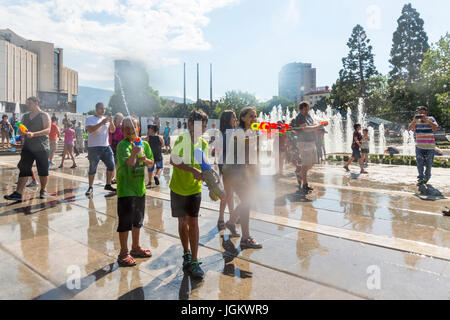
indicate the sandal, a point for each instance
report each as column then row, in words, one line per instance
column 140, row 253
column 250, row 243
column 232, row 228
column 125, row 260
column 221, row 225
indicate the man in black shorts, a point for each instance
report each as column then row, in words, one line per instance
column 36, row 147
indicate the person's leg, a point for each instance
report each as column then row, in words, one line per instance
column 304, row 174
column 228, row 200
column 123, row 238
column 420, row 163
column 63, row 156
column 94, row 158
column 193, row 233
column 361, row 164
column 183, row 232
column 42, row 167
column 349, row 162
column 107, row 156
column 25, row 166
column 71, row 151
column 150, row 174
column 429, row 159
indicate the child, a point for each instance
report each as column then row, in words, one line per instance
column 242, row 178
column 186, row 190
column 167, row 136
column 131, row 192
column 53, row 137
column 5, row 128
column 156, row 144
column 69, row 134
column 356, row 154
column 365, row 147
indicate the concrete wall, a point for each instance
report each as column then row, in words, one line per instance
column 44, row 51
column 18, row 79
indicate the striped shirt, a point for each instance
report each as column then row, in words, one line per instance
column 425, row 135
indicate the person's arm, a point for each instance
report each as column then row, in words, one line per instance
column 197, row 173
column 45, row 125
column 357, row 141
column 131, row 161
column 112, row 126
column 93, row 128
column 433, row 124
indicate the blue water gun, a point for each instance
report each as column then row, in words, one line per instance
column 140, row 155
column 210, row 176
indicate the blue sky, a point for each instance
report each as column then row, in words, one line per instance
column 248, row 41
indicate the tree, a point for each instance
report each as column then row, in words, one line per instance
column 409, row 44
column 358, row 67
column 236, row 100
column 436, row 78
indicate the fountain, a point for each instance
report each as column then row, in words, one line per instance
column 372, row 149
column 382, row 140
column 349, row 131
column 338, row 140
column 409, row 143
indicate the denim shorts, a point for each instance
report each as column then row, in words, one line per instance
column 105, row 154
column 158, row 164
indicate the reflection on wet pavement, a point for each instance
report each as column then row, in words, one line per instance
column 316, row 246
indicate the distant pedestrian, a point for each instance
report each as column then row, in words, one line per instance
column 424, row 127
column 365, row 147
column 53, row 137
column 6, row 129
column 79, row 139
column 69, row 135
column 356, row 146
column 98, row 127
column 156, row 143
column 184, row 124
column 166, row 136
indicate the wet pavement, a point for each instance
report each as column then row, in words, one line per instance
column 354, row 237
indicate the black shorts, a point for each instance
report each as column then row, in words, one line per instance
column 131, row 211
column 27, row 158
column 356, row 153
column 185, row 205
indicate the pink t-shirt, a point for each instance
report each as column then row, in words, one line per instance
column 69, row 134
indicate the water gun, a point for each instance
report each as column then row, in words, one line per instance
column 210, row 176
column 22, row 127
column 140, row 155
column 324, row 123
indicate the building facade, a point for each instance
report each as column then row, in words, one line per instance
column 295, row 80
column 315, row 96
column 35, row 68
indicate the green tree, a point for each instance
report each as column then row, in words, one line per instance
column 436, row 78
column 236, row 100
column 358, row 67
column 409, row 44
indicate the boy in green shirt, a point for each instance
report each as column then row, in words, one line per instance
column 186, row 189
column 131, row 191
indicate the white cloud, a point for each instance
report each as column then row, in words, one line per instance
column 93, row 33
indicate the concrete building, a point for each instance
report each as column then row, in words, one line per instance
column 35, row 68
column 316, row 95
column 295, row 80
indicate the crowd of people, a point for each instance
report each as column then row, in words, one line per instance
column 115, row 141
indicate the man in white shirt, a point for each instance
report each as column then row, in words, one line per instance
column 98, row 128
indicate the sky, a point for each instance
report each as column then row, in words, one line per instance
column 247, row 41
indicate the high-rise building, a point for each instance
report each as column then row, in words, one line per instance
column 295, row 80
column 35, row 68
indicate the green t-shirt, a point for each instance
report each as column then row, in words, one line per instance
column 131, row 180
column 183, row 182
